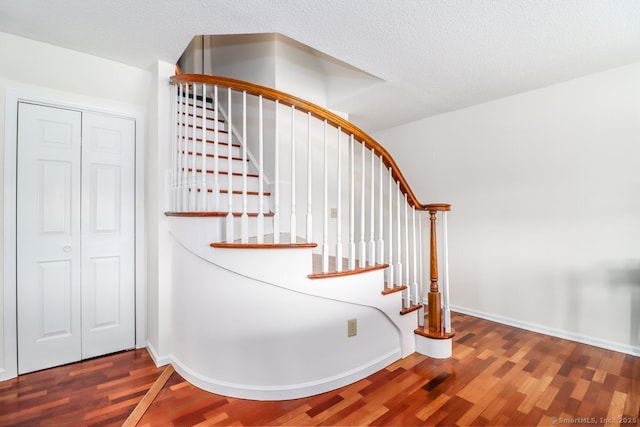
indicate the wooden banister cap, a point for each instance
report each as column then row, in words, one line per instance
column 441, row 207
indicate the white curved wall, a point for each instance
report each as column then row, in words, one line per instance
column 240, row 337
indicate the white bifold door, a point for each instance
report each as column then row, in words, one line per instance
column 75, row 235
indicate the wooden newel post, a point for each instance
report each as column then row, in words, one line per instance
column 434, row 298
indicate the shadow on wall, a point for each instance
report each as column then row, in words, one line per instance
column 609, row 293
column 628, row 276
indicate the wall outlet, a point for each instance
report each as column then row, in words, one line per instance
column 334, row 213
column 352, row 327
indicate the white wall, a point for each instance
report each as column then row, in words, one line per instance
column 545, row 191
column 74, row 77
column 299, row 72
column 156, row 202
column 245, row 57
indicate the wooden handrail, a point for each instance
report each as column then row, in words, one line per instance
column 320, row 113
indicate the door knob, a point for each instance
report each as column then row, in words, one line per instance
column 66, row 249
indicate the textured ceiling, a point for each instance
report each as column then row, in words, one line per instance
column 433, row 56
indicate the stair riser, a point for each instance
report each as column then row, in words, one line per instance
column 222, row 136
column 223, row 165
column 187, row 119
column 223, row 149
column 252, row 203
column 223, row 181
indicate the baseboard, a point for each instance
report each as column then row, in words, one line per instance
column 157, row 359
column 283, row 392
column 558, row 333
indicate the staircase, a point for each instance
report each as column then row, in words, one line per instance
column 277, row 299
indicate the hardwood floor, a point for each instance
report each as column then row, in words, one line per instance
column 498, row 375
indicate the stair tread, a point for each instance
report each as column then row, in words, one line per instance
column 208, row 140
column 213, row 214
column 199, row 116
column 190, row 153
column 410, row 309
column 249, row 175
column 394, row 289
column 440, row 335
column 268, row 243
column 318, row 274
column 236, row 192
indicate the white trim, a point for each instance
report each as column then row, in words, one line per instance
column 157, row 359
column 284, row 392
column 12, row 97
column 558, row 333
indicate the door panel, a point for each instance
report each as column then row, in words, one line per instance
column 48, row 230
column 108, row 234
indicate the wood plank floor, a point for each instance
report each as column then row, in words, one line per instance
column 498, row 375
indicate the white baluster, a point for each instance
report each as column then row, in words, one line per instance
column 325, row 196
column 352, row 214
column 398, row 268
column 276, row 179
column 422, row 282
column 215, row 190
column 339, row 206
column 175, row 120
column 260, row 225
column 414, row 261
column 372, row 210
column 216, row 138
column 309, row 177
column 203, row 162
column 391, row 279
column 229, row 220
column 192, row 199
column 445, row 275
column 380, row 250
column 406, row 251
column 184, row 194
column 293, row 176
column 362, row 247
column 244, row 218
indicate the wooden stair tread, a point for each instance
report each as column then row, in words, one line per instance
column 442, row 335
column 209, row 141
column 213, row 155
column 268, row 243
column 394, row 289
column 199, row 116
column 212, row 214
column 199, row 170
column 410, row 309
column 236, row 192
column 249, row 175
column 318, row 274
column 439, row 335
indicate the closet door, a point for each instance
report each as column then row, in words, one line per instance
column 108, row 192
column 75, row 234
column 48, row 237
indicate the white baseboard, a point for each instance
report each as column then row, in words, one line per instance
column 4, row 375
column 558, row 333
column 283, row 392
column 157, row 359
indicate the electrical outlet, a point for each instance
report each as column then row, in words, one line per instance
column 352, row 327
column 334, row 212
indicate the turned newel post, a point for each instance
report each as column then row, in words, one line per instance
column 434, row 298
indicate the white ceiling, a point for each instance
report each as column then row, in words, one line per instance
column 432, row 56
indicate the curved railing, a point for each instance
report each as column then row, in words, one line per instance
column 316, row 111
column 203, row 164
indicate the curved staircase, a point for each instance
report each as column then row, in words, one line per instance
column 274, row 299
